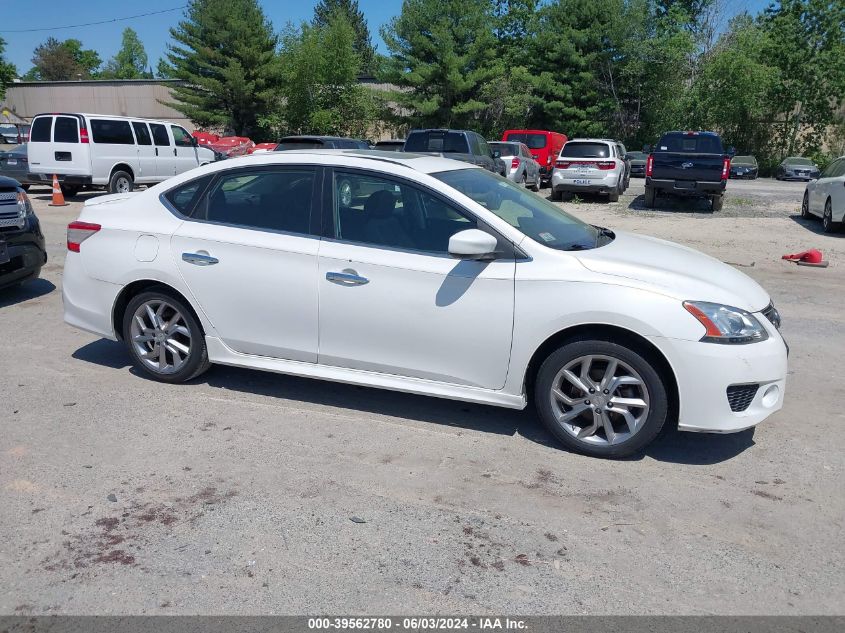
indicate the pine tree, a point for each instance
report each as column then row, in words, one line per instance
column 363, row 44
column 130, row 61
column 225, row 53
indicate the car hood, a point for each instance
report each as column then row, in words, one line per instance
column 675, row 270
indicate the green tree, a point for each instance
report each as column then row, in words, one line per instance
column 57, row 61
column 442, row 56
column 130, row 61
column 320, row 69
column 7, row 70
column 225, row 53
column 805, row 42
column 164, row 70
column 363, row 44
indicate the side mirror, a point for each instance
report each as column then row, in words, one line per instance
column 472, row 244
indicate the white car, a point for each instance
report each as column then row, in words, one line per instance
column 825, row 197
column 441, row 279
column 590, row 165
column 115, row 152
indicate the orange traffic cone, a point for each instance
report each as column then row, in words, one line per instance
column 58, row 197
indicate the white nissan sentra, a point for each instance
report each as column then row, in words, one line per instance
column 430, row 276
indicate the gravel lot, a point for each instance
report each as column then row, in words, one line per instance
column 235, row 494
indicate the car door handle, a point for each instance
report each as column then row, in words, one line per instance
column 199, row 259
column 347, row 278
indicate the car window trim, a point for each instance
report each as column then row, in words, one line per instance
column 510, row 251
column 316, row 198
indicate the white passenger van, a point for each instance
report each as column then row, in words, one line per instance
column 93, row 150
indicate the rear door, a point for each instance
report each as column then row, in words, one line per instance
column 112, row 143
column 586, row 161
column 58, row 146
column 146, row 152
column 688, row 157
column 184, row 152
column 165, row 157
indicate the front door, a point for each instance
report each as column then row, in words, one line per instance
column 184, row 151
column 393, row 301
column 164, row 151
column 248, row 254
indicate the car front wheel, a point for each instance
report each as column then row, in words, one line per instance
column 164, row 338
column 828, row 224
column 805, row 206
column 601, row 398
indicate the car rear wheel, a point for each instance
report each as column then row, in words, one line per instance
column 69, row 191
column 536, row 186
column 557, row 194
column 121, row 182
column 716, row 202
column 164, row 337
column 650, row 196
column 805, row 206
column 601, row 398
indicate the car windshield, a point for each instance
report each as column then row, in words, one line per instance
column 586, row 150
column 437, row 141
column 691, row 143
column 637, row 155
column 798, row 161
column 743, row 160
column 533, row 141
column 530, row 214
column 506, row 149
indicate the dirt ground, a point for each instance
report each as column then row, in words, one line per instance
column 253, row 493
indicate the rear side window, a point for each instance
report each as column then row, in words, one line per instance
column 66, row 130
column 437, row 141
column 112, row 132
column 691, row 144
column 142, row 133
column 274, row 200
column 586, row 150
column 184, row 197
column 160, row 134
column 40, row 132
column 533, row 141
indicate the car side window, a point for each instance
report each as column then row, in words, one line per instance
column 181, row 137
column 111, row 132
column 185, row 197
column 269, row 199
column 40, row 130
column 378, row 211
column 160, row 134
column 66, row 130
column 840, row 168
column 484, row 148
column 142, row 133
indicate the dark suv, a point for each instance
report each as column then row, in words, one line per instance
column 22, row 251
column 320, row 142
column 463, row 145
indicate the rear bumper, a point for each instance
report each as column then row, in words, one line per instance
column 68, row 179
column 88, row 302
column 571, row 184
column 687, row 188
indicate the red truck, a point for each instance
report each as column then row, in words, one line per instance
column 545, row 147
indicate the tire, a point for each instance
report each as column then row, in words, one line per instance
column 805, row 206
column 828, row 225
column 121, row 182
column 649, row 198
column 536, row 186
column 613, row 196
column 183, row 330
column 69, row 191
column 716, row 202
column 557, row 195
column 568, row 410
column 25, row 187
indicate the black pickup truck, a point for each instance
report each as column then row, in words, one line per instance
column 464, row 145
column 687, row 164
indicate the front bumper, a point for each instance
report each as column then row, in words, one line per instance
column 704, row 371
column 638, row 170
column 26, row 257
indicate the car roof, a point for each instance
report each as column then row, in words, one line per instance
column 422, row 163
column 591, row 140
column 308, row 137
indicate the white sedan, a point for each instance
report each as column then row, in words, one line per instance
column 437, row 278
column 825, row 197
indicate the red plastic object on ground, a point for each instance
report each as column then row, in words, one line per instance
column 232, row 145
column 205, row 138
column 269, row 147
column 811, row 256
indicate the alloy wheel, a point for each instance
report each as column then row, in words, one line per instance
column 600, row 400
column 160, row 336
column 805, row 206
column 827, row 218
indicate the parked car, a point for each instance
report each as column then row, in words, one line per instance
column 521, row 166
column 545, row 147
column 744, row 167
column 232, row 146
column 14, row 134
column 689, row 165
column 589, row 165
column 392, row 145
column 85, row 150
column 825, row 197
column 463, row 145
column 262, row 147
column 22, row 250
column 637, row 161
column 320, row 142
column 622, row 154
column 797, row 168
column 446, row 281
column 14, row 163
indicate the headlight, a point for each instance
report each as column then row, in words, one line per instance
column 724, row 324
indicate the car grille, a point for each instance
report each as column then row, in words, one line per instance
column 740, row 396
column 10, row 212
column 772, row 315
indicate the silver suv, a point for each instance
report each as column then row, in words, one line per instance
column 590, row 165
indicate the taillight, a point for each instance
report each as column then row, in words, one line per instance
column 726, row 168
column 562, row 164
column 514, row 163
column 78, row 232
column 606, row 165
column 649, row 166
column 83, row 136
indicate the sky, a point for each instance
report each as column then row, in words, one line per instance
column 154, row 29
